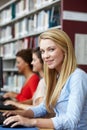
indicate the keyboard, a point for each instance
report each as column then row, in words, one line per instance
column 4, row 99
column 9, row 126
column 2, row 118
column 6, row 107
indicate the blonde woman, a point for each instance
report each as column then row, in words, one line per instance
column 66, row 88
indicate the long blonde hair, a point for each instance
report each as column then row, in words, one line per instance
column 69, row 64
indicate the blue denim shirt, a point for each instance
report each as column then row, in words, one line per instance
column 71, row 108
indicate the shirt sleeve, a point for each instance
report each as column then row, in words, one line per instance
column 40, row 110
column 78, row 94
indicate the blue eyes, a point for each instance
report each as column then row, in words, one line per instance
column 49, row 50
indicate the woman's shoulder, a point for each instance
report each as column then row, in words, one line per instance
column 78, row 77
column 42, row 80
column 34, row 78
column 42, row 83
column 34, row 75
column 79, row 73
column 77, row 81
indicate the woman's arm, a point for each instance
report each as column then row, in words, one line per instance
column 28, row 117
column 40, row 122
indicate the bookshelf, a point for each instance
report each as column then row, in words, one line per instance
column 28, row 18
column 21, row 22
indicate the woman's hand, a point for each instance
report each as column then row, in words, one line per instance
column 10, row 95
column 9, row 113
column 12, row 113
column 10, row 102
column 17, row 104
column 19, row 120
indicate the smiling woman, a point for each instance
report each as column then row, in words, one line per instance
column 66, row 87
column 51, row 54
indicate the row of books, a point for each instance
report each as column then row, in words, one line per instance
column 5, row 33
column 25, row 6
column 9, row 50
column 20, row 8
column 13, row 82
column 5, row 15
column 35, row 23
column 9, row 65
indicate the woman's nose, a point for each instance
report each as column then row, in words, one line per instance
column 46, row 55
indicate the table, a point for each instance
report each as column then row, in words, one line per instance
column 24, row 128
column 34, row 128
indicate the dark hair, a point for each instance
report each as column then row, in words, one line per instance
column 26, row 55
column 38, row 53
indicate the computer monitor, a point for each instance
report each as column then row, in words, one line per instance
column 1, row 73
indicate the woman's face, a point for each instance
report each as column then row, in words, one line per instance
column 37, row 66
column 21, row 64
column 52, row 55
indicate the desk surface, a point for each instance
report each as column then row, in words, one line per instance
column 3, row 128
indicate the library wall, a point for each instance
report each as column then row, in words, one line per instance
column 77, row 22
column 75, row 5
